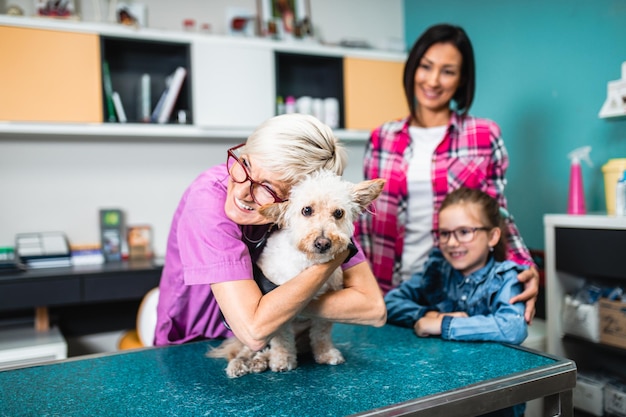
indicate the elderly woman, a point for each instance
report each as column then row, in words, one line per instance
column 208, row 289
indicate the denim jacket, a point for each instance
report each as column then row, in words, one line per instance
column 484, row 295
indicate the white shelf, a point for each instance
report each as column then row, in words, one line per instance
column 614, row 106
column 612, row 116
column 210, row 122
column 598, row 221
column 12, row 130
column 117, row 30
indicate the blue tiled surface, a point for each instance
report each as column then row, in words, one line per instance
column 383, row 366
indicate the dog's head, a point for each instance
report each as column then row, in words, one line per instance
column 321, row 210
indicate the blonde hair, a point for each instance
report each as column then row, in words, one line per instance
column 294, row 145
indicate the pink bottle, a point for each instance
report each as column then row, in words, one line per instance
column 576, row 198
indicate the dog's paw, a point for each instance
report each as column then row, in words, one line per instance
column 259, row 362
column 330, row 357
column 283, row 363
column 237, row 367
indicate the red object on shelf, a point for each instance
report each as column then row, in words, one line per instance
column 189, row 24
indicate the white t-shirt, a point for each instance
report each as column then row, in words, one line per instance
column 418, row 240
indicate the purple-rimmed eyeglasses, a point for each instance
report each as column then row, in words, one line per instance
column 238, row 170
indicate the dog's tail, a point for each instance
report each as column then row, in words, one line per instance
column 228, row 349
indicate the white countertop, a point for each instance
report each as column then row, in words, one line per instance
column 592, row 220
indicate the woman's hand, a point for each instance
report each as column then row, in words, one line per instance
column 359, row 302
column 530, row 279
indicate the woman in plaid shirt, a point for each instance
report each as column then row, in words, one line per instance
column 438, row 148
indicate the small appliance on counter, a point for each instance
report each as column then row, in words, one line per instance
column 613, row 170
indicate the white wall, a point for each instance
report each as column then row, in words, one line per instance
column 375, row 21
column 50, row 185
column 47, row 184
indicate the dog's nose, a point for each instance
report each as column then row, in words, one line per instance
column 322, row 244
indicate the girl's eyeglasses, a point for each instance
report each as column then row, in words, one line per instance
column 238, row 172
column 462, row 234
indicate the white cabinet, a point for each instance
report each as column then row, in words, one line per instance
column 230, row 89
column 233, row 84
column 579, row 248
column 22, row 346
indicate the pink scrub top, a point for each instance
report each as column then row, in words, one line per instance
column 204, row 247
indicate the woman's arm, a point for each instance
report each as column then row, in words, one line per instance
column 359, row 302
column 517, row 250
column 530, row 279
column 254, row 317
column 498, row 165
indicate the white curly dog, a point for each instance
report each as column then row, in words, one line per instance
column 315, row 224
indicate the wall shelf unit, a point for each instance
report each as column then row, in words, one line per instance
column 173, row 132
column 580, row 248
column 230, row 88
column 614, row 106
column 315, row 76
column 129, row 59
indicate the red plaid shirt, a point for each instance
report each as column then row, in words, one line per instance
column 471, row 154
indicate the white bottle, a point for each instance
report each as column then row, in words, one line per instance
column 620, row 196
column 304, row 105
column 331, row 112
column 318, row 108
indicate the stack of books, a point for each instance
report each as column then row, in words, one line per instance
column 162, row 113
column 165, row 105
column 8, row 261
column 43, row 250
column 87, row 255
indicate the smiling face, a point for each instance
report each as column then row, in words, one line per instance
column 470, row 256
column 240, row 207
column 436, row 80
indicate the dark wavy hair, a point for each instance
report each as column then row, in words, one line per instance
column 443, row 33
column 490, row 214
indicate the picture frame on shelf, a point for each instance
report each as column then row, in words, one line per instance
column 240, row 21
column 140, row 242
column 60, row 9
column 284, row 19
column 131, row 14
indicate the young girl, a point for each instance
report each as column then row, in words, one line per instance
column 464, row 290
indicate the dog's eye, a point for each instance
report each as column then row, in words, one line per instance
column 307, row 211
column 338, row 214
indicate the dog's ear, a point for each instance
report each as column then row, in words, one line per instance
column 365, row 192
column 274, row 212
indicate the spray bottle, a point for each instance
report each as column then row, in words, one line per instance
column 576, row 199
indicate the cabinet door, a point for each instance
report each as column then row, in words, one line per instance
column 233, row 84
column 49, row 76
column 373, row 92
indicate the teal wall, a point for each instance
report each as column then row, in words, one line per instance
column 542, row 71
